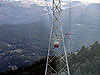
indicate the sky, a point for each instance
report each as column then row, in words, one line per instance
column 85, row 1
column 89, row 1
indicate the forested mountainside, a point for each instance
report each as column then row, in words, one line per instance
column 86, row 61
column 25, row 28
column 22, row 44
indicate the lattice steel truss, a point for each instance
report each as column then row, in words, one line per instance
column 57, row 63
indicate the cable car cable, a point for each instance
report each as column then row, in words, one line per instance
column 47, row 7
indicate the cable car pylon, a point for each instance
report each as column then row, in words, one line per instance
column 57, row 62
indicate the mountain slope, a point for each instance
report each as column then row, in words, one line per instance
column 24, row 30
column 22, row 44
column 83, row 62
column 19, row 13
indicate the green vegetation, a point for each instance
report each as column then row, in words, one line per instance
column 83, row 62
column 86, row 61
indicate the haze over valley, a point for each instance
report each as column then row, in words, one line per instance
column 25, row 29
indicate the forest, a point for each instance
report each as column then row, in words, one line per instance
column 86, row 61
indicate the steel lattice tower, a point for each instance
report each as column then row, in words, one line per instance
column 57, row 63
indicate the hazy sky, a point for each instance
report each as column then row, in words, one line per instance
column 88, row 1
